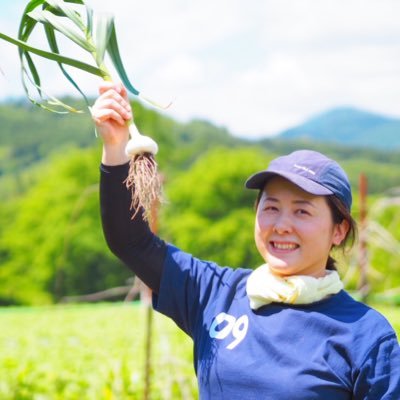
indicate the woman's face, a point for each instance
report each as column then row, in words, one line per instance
column 294, row 231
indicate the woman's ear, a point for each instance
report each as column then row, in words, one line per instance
column 340, row 232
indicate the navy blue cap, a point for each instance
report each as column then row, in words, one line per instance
column 311, row 171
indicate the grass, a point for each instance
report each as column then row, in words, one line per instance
column 96, row 352
column 90, row 352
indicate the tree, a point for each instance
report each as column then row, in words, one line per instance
column 53, row 245
column 209, row 212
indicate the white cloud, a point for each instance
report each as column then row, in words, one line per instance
column 256, row 68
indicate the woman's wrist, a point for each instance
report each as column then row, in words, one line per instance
column 114, row 154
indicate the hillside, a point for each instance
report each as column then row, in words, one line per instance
column 29, row 136
column 349, row 126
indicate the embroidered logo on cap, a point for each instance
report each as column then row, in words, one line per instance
column 304, row 168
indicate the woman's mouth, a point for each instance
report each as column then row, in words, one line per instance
column 284, row 246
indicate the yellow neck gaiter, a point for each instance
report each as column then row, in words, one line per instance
column 264, row 287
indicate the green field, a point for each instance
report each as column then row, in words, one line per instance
column 91, row 352
column 96, row 352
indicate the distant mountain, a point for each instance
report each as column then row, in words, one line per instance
column 349, row 126
column 29, row 137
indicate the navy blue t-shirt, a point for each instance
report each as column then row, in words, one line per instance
column 335, row 349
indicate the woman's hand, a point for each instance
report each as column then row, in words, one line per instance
column 111, row 113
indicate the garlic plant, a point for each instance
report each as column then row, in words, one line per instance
column 96, row 35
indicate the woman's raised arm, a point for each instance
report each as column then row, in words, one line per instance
column 131, row 240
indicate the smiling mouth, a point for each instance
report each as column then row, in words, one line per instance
column 284, row 246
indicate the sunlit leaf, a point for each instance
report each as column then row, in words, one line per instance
column 113, row 52
column 89, row 21
column 58, row 23
column 27, row 24
column 104, row 25
column 29, row 71
column 50, row 100
column 55, row 57
column 51, row 37
column 69, row 12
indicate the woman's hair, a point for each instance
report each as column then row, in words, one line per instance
column 339, row 213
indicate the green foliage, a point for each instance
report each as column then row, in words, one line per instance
column 381, row 176
column 384, row 247
column 210, row 213
column 382, row 250
column 53, row 244
column 29, row 135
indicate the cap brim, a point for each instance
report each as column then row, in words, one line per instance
column 258, row 181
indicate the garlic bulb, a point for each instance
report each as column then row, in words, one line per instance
column 139, row 144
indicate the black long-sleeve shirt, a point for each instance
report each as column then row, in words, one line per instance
column 131, row 240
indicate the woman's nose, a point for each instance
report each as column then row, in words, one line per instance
column 282, row 224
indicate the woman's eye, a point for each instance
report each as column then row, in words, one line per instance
column 270, row 208
column 302, row 212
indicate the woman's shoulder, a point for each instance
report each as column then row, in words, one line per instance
column 364, row 320
column 195, row 265
column 204, row 275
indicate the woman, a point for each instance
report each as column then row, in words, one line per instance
column 286, row 330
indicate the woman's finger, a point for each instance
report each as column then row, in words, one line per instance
column 117, row 87
column 105, row 115
column 112, row 100
column 117, row 105
column 112, row 94
column 107, row 85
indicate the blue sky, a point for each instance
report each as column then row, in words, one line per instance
column 254, row 66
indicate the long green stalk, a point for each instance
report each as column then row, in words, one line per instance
column 92, row 33
column 55, row 57
column 96, row 35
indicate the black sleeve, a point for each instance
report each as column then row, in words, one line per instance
column 131, row 240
